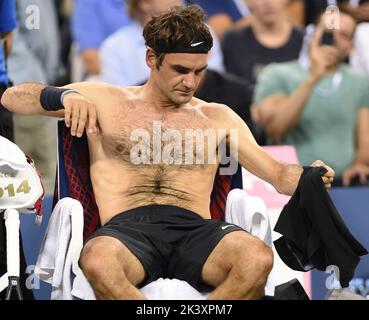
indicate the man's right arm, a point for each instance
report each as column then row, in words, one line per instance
column 78, row 110
column 284, row 177
column 279, row 113
column 25, row 99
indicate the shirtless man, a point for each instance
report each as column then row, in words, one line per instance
column 155, row 217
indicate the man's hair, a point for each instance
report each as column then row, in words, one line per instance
column 176, row 31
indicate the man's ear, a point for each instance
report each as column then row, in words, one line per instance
column 150, row 58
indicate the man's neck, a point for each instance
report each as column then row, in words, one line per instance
column 280, row 26
column 150, row 92
column 273, row 35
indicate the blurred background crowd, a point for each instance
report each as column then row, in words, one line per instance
column 293, row 76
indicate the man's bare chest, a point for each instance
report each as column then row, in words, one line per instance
column 177, row 137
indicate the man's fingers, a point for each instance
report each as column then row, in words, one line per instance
column 75, row 118
column 330, row 172
column 79, row 114
column 82, row 120
column 326, row 180
column 67, row 115
column 346, row 178
column 92, row 118
column 364, row 176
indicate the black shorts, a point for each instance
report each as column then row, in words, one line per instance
column 170, row 242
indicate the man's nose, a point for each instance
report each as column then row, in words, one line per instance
column 189, row 80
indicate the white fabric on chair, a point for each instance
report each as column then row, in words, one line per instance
column 250, row 213
column 58, row 259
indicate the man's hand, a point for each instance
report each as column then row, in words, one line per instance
column 328, row 176
column 79, row 114
column 356, row 169
column 322, row 58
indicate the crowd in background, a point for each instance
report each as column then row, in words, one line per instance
column 269, row 63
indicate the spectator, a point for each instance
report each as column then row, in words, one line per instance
column 7, row 25
column 92, row 22
column 223, row 15
column 323, row 110
column 271, row 37
column 123, row 53
column 36, row 57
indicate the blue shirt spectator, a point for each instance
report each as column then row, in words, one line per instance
column 7, row 24
column 224, row 15
column 95, row 20
column 212, row 7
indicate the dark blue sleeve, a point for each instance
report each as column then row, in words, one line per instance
column 8, row 20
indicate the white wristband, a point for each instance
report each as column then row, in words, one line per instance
column 66, row 92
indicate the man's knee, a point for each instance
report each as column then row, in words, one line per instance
column 259, row 260
column 264, row 259
column 90, row 260
column 96, row 258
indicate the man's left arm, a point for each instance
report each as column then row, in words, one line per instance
column 284, row 177
column 360, row 165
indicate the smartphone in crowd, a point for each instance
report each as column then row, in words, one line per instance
column 327, row 38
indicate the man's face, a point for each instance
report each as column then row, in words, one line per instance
column 267, row 11
column 179, row 75
column 343, row 36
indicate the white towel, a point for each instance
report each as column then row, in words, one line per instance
column 57, row 262
column 251, row 214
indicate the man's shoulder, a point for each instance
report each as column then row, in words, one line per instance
column 212, row 110
column 102, row 92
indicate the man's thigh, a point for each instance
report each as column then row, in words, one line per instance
column 114, row 255
column 235, row 248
